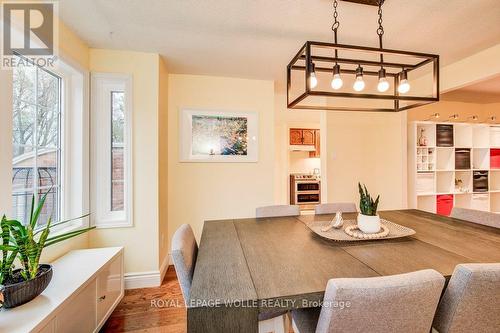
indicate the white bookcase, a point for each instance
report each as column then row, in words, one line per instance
column 459, row 166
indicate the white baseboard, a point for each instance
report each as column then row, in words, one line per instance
column 142, row 280
column 148, row 279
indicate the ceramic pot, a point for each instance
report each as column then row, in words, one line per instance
column 369, row 224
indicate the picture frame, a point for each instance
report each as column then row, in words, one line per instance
column 218, row 136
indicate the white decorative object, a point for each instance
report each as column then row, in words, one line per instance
column 369, row 224
column 354, row 231
column 218, row 136
column 336, row 223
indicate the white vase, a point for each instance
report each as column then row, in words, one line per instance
column 369, row 224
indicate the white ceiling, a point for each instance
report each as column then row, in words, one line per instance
column 257, row 38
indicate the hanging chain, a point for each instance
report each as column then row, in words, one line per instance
column 380, row 30
column 336, row 24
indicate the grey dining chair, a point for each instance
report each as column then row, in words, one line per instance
column 332, row 208
column 184, row 253
column 397, row 303
column 476, row 216
column 471, row 302
column 277, row 210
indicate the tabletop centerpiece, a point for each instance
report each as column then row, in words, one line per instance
column 368, row 220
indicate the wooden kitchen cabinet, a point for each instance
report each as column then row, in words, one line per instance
column 316, row 145
column 295, row 136
column 308, row 137
column 303, row 136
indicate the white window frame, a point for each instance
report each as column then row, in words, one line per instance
column 102, row 85
column 74, row 141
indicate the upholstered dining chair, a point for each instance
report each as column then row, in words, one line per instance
column 277, row 210
column 332, row 208
column 476, row 216
column 471, row 302
column 397, row 303
column 184, row 252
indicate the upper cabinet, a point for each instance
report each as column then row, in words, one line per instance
column 308, row 137
column 295, row 136
column 305, row 137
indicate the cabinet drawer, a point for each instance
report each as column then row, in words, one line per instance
column 444, row 135
column 480, row 202
column 79, row 315
column 109, row 287
column 444, row 204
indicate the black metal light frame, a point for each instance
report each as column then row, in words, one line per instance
column 305, row 54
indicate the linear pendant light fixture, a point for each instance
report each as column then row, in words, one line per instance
column 333, row 76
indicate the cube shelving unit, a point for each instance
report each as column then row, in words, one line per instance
column 457, row 165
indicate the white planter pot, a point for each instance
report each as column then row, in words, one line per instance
column 369, row 224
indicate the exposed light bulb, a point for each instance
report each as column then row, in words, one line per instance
column 336, row 80
column 313, row 80
column 383, row 84
column 404, row 85
column 359, row 84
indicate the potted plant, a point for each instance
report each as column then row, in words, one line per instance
column 26, row 243
column 368, row 220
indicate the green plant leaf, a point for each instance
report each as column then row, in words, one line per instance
column 79, row 232
column 36, row 214
column 63, row 222
column 71, row 234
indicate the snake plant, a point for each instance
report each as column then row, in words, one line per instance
column 367, row 205
column 27, row 243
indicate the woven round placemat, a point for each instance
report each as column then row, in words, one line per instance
column 319, row 222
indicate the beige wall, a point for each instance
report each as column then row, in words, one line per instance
column 369, row 148
column 206, row 191
column 447, row 109
column 141, row 240
column 163, row 161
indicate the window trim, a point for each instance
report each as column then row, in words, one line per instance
column 101, row 85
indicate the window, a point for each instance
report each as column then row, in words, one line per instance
column 36, row 140
column 117, row 147
column 111, row 162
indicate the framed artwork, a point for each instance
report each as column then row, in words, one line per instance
column 218, row 136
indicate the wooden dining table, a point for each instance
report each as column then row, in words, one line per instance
column 255, row 265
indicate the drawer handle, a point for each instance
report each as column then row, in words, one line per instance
column 102, row 298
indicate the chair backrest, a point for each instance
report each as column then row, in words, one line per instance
column 277, row 210
column 332, row 208
column 397, row 303
column 476, row 216
column 184, row 252
column 471, row 302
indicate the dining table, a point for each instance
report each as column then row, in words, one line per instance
column 249, row 266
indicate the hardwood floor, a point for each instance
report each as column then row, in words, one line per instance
column 155, row 310
column 151, row 310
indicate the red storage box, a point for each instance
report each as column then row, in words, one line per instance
column 495, row 159
column 444, row 204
